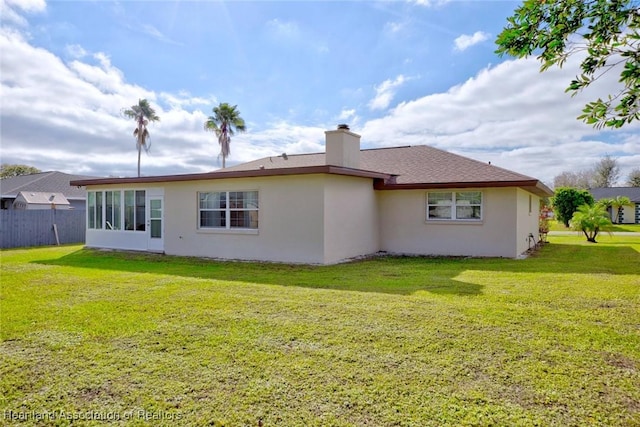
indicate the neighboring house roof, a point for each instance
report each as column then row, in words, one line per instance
column 47, row 182
column 633, row 193
column 43, row 198
column 393, row 168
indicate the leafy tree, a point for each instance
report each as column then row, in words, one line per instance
column 142, row 113
column 591, row 220
column 606, row 32
column 567, row 200
column 225, row 122
column 606, row 172
column 8, row 170
column 581, row 179
column 634, row 178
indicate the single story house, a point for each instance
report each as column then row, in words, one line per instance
column 30, row 200
column 629, row 214
column 322, row 208
column 44, row 182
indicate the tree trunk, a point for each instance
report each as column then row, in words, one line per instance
column 591, row 236
column 138, row 140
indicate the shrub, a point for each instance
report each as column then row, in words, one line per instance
column 567, row 200
column 591, row 220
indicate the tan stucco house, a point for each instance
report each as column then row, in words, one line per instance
column 322, row 208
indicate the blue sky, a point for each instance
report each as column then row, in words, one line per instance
column 399, row 72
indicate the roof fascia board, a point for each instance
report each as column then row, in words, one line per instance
column 325, row 169
column 533, row 186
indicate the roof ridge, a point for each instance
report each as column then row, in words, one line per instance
column 391, row 148
column 478, row 161
column 362, row 149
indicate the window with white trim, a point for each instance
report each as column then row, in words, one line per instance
column 454, row 205
column 105, row 210
column 113, row 212
column 135, row 210
column 228, row 210
column 94, row 209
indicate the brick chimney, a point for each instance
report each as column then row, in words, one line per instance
column 343, row 147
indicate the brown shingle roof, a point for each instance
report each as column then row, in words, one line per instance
column 413, row 166
column 392, row 168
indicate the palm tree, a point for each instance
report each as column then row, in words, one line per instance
column 617, row 204
column 142, row 113
column 591, row 220
column 225, row 121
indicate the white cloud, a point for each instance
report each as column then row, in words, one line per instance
column 67, row 116
column 430, row 3
column 28, row 5
column 280, row 29
column 158, row 35
column 347, row 114
column 288, row 33
column 104, row 76
column 75, row 51
column 385, row 93
column 465, row 41
column 185, row 99
column 511, row 114
column 87, row 133
column 394, row 27
column 276, row 138
column 11, row 10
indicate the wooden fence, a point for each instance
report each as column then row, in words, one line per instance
column 20, row 228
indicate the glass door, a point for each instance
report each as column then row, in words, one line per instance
column 155, row 223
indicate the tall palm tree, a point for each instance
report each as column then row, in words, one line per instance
column 142, row 113
column 225, row 122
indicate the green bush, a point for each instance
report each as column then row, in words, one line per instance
column 566, row 201
column 591, row 220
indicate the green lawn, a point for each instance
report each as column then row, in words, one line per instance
column 553, row 339
column 559, row 226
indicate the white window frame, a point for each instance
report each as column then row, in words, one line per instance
column 114, row 222
column 99, row 219
column 95, row 218
column 453, row 204
column 136, row 207
column 227, row 211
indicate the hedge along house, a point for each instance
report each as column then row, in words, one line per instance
column 322, row 208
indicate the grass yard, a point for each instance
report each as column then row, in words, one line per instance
column 559, row 226
column 142, row 339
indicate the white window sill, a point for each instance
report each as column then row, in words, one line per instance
column 454, row 222
column 112, row 230
column 227, row 231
